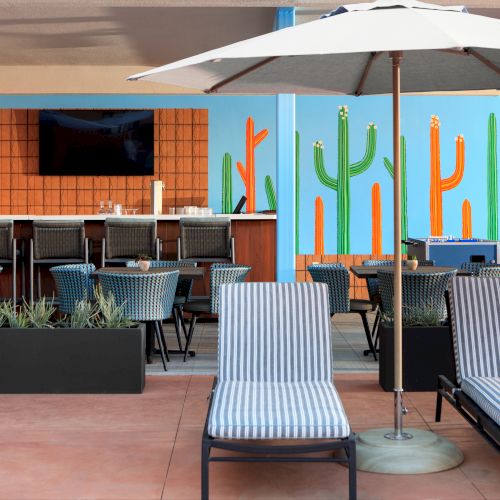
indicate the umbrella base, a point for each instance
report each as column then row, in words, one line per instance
column 425, row 452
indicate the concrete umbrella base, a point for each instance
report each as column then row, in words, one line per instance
column 425, row 452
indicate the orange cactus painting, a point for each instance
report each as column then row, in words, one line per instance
column 439, row 185
column 376, row 220
column 248, row 173
column 319, row 227
column 466, row 220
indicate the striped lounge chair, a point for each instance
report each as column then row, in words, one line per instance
column 474, row 305
column 275, row 379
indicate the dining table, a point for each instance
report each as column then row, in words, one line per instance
column 365, row 272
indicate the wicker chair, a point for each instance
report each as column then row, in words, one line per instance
column 147, row 297
column 125, row 239
column 219, row 274
column 472, row 267
column 205, row 240
column 489, row 272
column 420, row 291
column 182, row 294
column 56, row 242
column 74, row 283
column 9, row 253
column 336, row 276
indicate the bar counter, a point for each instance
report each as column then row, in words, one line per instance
column 254, row 235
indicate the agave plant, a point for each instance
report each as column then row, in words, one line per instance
column 110, row 314
column 39, row 313
column 427, row 315
column 85, row 315
column 13, row 318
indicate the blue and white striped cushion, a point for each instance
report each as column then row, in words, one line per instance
column 485, row 391
column 274, row 332
column 475, row 319
column 277, row 410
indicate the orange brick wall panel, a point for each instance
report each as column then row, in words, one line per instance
column 181, row 162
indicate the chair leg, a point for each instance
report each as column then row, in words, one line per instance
column 177, row 322
column 183, row 323
column 352, row 469
column 190, row 335
column 162, row 334
column 32, row 273
column 39, row 281
column 160, row 344
column 374, row 332
column 368, row 334
column 439, row 404
column 14, row 272
column 205, row 455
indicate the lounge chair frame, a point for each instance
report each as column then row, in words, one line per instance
column 259, row 453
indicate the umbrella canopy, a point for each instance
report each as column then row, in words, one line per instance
column 445, row 48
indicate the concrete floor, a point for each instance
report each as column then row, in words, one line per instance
column 62, row 447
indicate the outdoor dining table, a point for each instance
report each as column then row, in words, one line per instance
column 188, row 273
column 372, row 271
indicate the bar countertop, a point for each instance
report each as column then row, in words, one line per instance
column 163, row 217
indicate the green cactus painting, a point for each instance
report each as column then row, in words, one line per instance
column 270, row 192
column 297, row 189
column 345, row 171
column 227, row 184
column 492, row 179
column 404, row 196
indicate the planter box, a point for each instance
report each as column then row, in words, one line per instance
column 427, row 353
column 72, row 361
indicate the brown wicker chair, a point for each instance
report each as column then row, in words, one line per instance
column 205, row 240
column 56, row 242
column 9, row 253
column 125, row 239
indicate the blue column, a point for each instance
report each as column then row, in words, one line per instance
column 285, row 171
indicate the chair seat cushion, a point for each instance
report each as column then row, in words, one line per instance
column 358, row 305
column 277, row 410
column 485, row 391
column 179, row 300
column 198, row 306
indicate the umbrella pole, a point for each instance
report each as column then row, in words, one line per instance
column 399, row 409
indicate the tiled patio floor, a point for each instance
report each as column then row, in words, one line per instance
column 148, row 447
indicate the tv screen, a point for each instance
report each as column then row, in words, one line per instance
column 96, row 142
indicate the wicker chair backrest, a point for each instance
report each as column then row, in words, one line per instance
column 489, row 272
column 55, row 239
column 130, row 238
column 221, row 274
column 205, row 238
column 421, row 291
column 6, row 236
column 146, row 296
column 336, row 276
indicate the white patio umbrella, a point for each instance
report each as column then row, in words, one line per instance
column 358, row 49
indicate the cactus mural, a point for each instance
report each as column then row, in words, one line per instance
column 404, row 189
column 270, row 192
column 345, row 171
column 466, row 220
column 376, row 220
column 297, row 189
column 227, row 184
column 439, row 185
column 319, row 227
column 248, row 172
column 492, row 179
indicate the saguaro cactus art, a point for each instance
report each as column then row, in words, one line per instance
column 439, row 185
column 404, row 190
column 227, row 184
column 492, row 179
column 376, row 220
column 319, row 227
column 346, row 170
column 466, row 220
column 248, row 172
column 270, row 192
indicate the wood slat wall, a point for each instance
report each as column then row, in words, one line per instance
column 357, row 286
column 181, row 162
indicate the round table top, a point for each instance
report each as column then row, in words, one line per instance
column 184, row 272
column 372, row 271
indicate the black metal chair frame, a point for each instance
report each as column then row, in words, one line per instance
column 260, row 453
column 123, row 260
column 13, row 262
column 463, row 403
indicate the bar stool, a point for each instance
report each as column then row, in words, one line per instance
column 146, row 297
column 9, row 254
column 56, row 242
column 205, row 240
column 125, row 239
column 74, row 283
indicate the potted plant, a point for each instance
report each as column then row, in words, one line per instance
column 143, row 261
column 95, row 350
column 427, row 350
column 412, row 262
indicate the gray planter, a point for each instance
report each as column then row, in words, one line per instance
column 427, row 353
column 72, row 361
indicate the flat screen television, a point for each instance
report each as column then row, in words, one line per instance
column 96, row 142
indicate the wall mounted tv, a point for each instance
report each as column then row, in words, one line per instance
column 96, row 142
